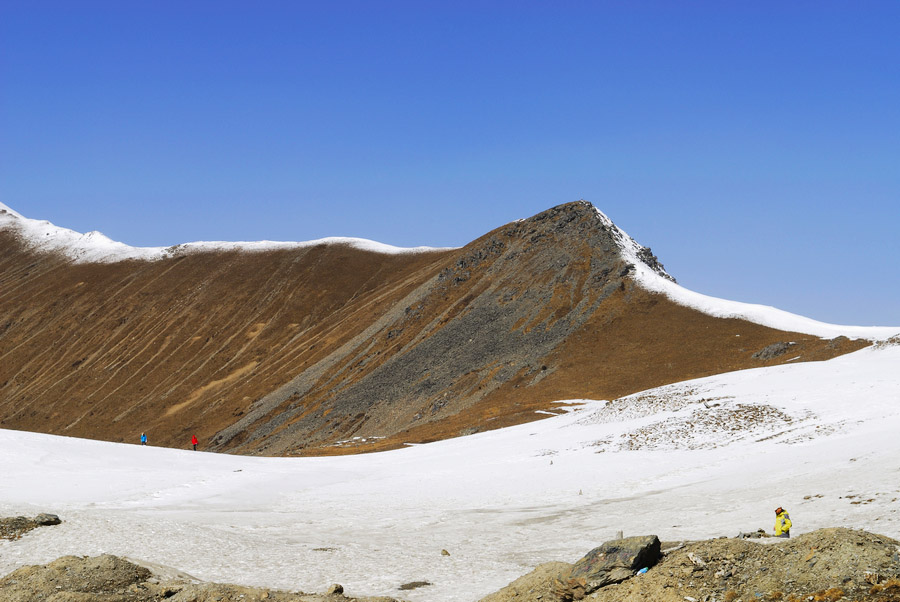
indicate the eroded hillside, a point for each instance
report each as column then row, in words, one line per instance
column 330, row 349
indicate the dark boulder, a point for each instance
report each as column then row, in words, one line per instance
column 46, row 520
column 612, row 562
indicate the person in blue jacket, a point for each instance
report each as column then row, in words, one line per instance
column 143, row 438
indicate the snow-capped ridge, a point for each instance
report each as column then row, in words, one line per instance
column 631, row 249
column 6, row 211
column 651, row 275
column 764, row 315
column 648, row 272
column 96, row 247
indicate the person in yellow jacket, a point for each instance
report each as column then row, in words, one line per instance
column 782, row 523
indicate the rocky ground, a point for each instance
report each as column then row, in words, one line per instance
column 17, row 526
column 829, row 565
column 112, row 579
column 826, row 565
column 109, row 578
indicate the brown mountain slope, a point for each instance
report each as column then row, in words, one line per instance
column 332, row 349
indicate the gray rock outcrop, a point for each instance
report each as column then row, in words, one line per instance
column 612, row 562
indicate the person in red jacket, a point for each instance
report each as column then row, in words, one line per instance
column 194, row 442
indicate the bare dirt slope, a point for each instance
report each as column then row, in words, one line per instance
column 333, row 349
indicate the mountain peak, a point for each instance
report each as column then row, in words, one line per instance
column 582, row 222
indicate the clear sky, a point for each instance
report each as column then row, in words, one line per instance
column 754, row 146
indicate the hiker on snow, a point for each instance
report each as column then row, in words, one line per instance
column 143, row 438
column 782, row 523
column 194, row 441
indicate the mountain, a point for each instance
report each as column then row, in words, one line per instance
column 344, row 345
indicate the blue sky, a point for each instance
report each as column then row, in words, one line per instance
column 754, row 146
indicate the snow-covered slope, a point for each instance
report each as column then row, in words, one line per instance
column 96, row 247
column 698, row 459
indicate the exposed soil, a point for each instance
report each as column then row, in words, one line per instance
column 829, row 564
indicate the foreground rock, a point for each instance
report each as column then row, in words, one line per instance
column 829, row 564
column 112, row 579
